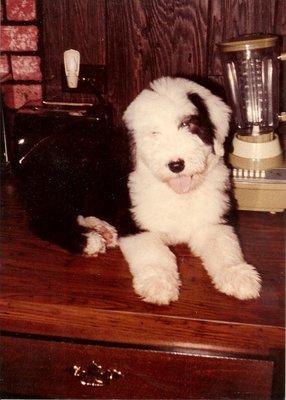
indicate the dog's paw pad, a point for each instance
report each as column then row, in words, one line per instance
column 157, row 290
column 104, row 229
column 241, row 281
column 95, row 244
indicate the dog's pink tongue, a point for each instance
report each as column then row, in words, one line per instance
column 180, row 184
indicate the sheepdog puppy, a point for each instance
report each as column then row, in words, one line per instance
column 163, row 183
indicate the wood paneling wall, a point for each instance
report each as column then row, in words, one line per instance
column 140, row 40
column 76, row 24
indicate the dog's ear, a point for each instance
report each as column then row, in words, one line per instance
column 135, row 114
column 206, row 128
column 220, row 114
column 214, row 116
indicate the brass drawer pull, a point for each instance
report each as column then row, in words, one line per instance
column 95, row 375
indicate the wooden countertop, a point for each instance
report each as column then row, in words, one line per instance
column 47, row 291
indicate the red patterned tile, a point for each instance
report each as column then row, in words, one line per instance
column 15, row 96
column 26, row 67
column 19, row 38
column 21, row 10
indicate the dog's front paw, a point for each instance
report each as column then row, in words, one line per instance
column 241, row 281
column 95, row 244
column 158, row 288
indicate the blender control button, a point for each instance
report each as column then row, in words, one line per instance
column 251, row 173
column 257, row 174
column 245, row 173
column 239, row 172
column 234, row 172
column 263, row 174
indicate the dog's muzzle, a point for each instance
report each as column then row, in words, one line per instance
column 180, row 183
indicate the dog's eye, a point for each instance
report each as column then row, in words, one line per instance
column 191, row 123
column 188, row 121
column 185, row 124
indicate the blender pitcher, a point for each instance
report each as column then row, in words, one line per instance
column 251, row 74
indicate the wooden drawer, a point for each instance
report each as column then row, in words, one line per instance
column 41, row 368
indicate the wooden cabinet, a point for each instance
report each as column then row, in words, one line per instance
column 48, row 368
column 60, row 312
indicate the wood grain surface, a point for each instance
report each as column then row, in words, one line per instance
column 159, row 38
column 46, row 290
column 145, row 374
column 139, row 41
column 231, row 18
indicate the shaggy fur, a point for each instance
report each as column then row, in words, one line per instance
column 171, row 187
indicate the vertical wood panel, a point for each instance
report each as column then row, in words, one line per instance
column 190, row 32
column 280, row 29
column 77, row 24
column 280, row 20
column 140, row 40
column 151, row 38
column 215, row 35
column 231, row 18
column 139, row 45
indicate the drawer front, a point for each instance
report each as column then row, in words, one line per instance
column 42, row 368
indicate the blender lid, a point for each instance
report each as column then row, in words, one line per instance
column 249, row 42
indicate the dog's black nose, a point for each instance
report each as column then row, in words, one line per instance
column 176, row 166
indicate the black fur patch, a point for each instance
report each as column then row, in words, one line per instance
column 231, row 216
column 206, row 129
column 78, row 174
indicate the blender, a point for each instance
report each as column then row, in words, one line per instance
column 251, row 75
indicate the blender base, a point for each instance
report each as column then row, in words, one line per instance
column 259, row 175
column 260, row 190
column 255, row 155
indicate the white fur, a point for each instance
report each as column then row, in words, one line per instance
column 195, row 217
column 153, row 267
column 95, row 244
column 105, row 230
